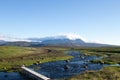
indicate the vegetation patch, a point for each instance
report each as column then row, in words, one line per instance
column 107, row 73
column 12, row 57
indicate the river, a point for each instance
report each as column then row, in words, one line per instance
column 59, row 69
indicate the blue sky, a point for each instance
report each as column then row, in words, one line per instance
column 92, row 19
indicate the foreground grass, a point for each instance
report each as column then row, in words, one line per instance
column 12, row 57
column 107, row 73
column 14, row 51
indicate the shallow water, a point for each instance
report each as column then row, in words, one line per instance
column 11, row 76
column 64, row 69
column 59, row 69
column 112, row 65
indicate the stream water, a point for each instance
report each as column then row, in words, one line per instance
column 63, row 69
column 59, row 69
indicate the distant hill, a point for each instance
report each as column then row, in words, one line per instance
column 62, row 40
column 2, row 42
column 66, row 40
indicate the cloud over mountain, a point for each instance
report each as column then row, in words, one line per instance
column 60, row 36
column 58, row 40
column 10, row 38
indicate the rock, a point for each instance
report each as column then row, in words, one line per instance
column 67, row 61
column 35, row 63
column 38, row 62
column 85, row 67
column 66, row 67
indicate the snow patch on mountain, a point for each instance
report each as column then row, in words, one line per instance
column 60, row 36
column 73, row 36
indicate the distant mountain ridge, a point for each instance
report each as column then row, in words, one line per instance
column 2, row 42
column 69, row 37
column 61, row 40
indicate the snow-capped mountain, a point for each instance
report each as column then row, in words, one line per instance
column 59, row 37
column 60, row 40
column 65, row 40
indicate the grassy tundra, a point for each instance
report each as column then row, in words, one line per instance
column 12, row 56
column 107, row 73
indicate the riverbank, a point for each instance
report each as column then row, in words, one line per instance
column 107, row 73
column 109, row 55
column 12, row 57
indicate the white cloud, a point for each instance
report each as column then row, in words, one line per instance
column 73, row 36
column 97, row 41
column 1, row 37
column 10, row 38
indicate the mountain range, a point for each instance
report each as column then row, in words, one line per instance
column 61, row 40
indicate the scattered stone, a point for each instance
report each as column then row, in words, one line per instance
column 85, row 67
column 101, row 62
column 48, row 50
column 35, row 63
column 67, row 61
column 66, row 67
column 38, row 62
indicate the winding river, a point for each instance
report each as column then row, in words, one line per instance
column 59, row 69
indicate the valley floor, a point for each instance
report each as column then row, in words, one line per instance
column 12, row 57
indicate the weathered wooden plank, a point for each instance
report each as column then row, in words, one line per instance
column 35, row 73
